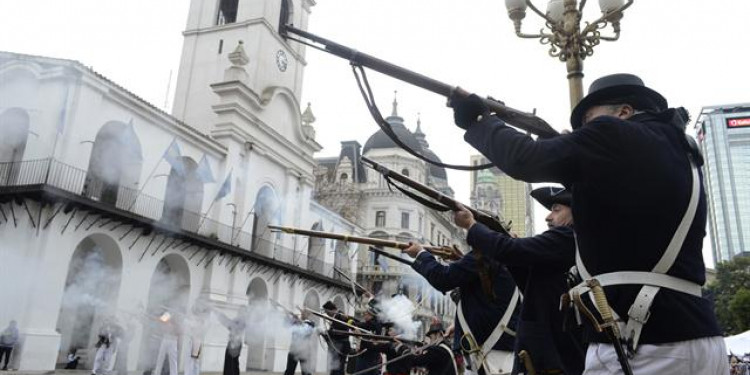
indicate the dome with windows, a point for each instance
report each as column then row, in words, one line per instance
column 416, row 141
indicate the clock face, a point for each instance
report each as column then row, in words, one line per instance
column 281, row 60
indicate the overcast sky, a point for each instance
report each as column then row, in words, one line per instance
column 694, row 52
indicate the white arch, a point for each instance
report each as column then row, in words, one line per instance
column 91, row 290
column 183, row 199
column 257, row 295
column 169, row 290
column 14, row 126
column 115, row 165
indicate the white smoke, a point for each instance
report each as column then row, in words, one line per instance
column 400, row 311
column 91, row 282
column 89, row 298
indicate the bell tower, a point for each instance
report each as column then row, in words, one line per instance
column 215, row 29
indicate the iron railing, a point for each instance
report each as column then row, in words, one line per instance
column 74, row 180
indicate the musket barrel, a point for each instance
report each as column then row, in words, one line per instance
column 377, row 337
column 435, row 250
column 520, row 119
column 377, row 64
column 451, row 203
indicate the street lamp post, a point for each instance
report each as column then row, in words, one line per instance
column 570, row 41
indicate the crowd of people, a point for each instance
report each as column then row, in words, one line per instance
column 739, row 365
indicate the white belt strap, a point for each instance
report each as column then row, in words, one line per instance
column 638, row 313
column 497, row 333
column 453, row 358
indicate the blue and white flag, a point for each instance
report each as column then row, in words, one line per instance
column 225, row 188
column 174, row 158
column 382, row 262
column 204, row 171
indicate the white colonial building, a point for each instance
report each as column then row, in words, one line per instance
column 362, row 196
column 110, row 206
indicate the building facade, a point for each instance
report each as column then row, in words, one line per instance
column 723, row 133
column 362, row 196
column 112, row 208
column 497, row 193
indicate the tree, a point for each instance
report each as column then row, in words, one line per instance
column 731, row 292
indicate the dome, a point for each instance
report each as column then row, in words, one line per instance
column 380, row 140
column 435, row 171
column 416, row 141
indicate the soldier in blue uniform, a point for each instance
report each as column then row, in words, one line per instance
column 540, row 265
column 490, row 315
column 639, row 206
column 369, row 357
column 437, row 358
column 338, row 343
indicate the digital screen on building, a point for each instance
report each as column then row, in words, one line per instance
column 738, row 122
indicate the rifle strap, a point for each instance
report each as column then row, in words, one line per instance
column 433, row 205
column 364, row 88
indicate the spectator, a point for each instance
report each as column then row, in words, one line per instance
column 8, row 340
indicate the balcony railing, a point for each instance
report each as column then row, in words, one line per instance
column 377, row 270
column 74, row 180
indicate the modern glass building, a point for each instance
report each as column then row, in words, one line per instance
column 723, row 133
column 494, row 191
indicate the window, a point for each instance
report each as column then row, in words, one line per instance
column 227, row 12
column 344, row 177
column 432, row 232
column 405, row 172
column 380, row 218
column 405, row 220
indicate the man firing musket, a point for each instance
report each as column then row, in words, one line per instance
column 627, row 159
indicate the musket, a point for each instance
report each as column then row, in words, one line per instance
column 526, row 360
column 444, row 252
column 491, row 221
column 519, row 119
column 331, row 319
column 284, row 309
column 357, row 285
column 372, row 337
column 389, row 255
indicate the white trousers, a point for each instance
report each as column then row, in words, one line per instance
column 104, row 359
column 193, row 364
column 706, row 356
column 168, row 348
column 499, row 362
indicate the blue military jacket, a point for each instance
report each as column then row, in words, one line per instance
column 539, row 264
column 482, row 313
column 630, row 181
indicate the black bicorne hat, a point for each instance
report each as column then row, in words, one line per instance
column 550, row 195
column 329, row 306
column 618, row 86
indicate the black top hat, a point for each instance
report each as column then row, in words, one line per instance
column 435, row 327
column 550, row 195
column 618, row 86
column 329, row 306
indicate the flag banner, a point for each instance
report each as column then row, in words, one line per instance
column 130, row 140
column 204, row 171
column 382, row 262
column 174, row 158
column 225, row 188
